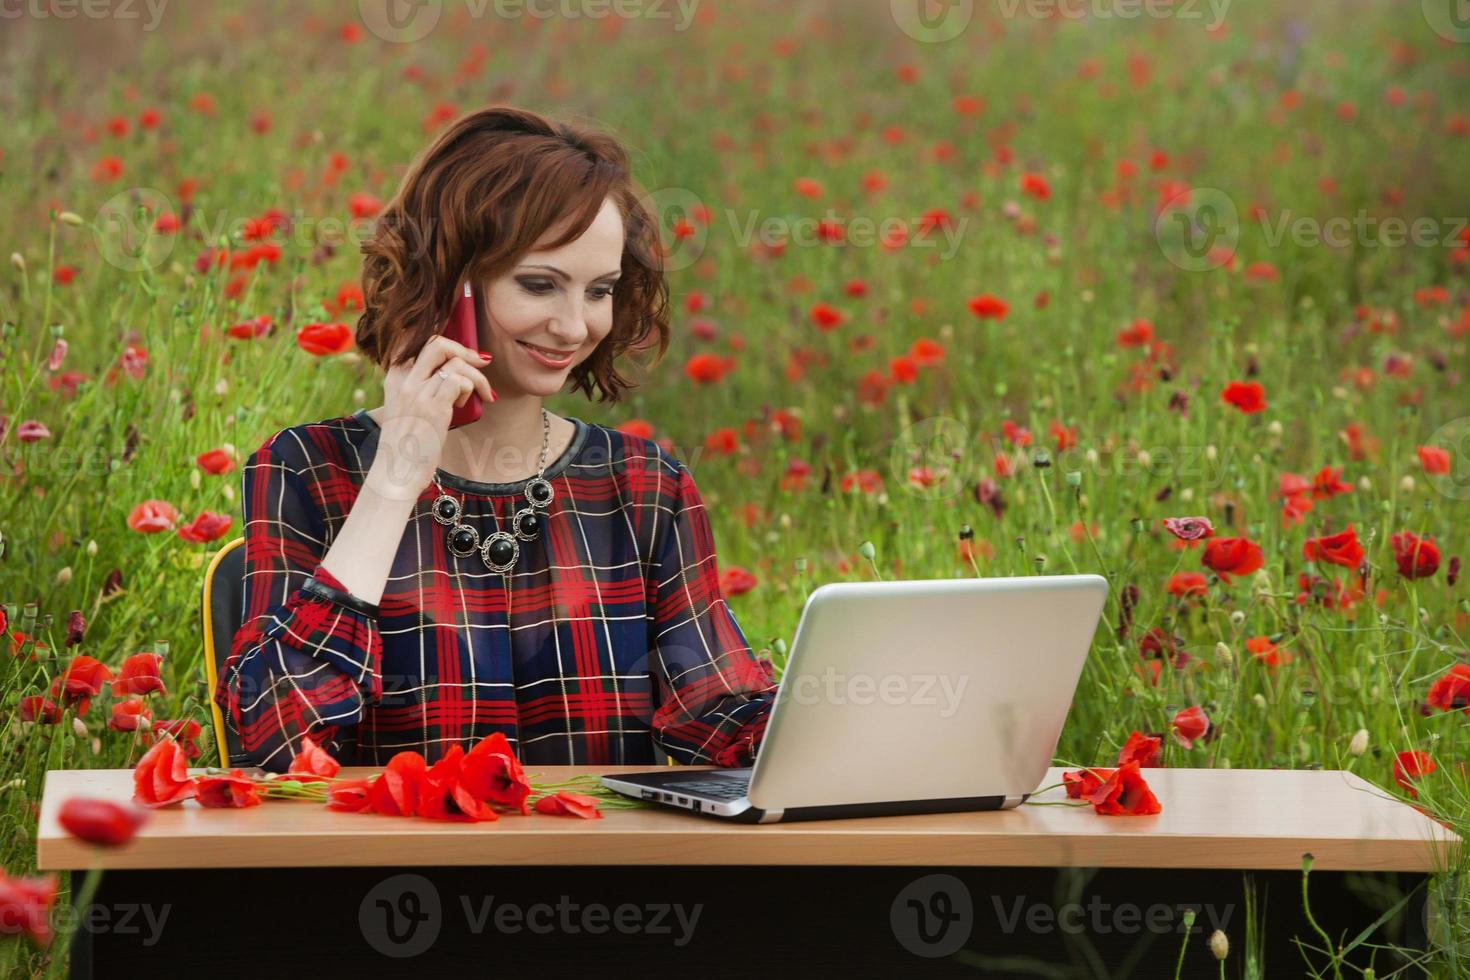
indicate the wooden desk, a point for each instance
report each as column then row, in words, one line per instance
column 836, row 890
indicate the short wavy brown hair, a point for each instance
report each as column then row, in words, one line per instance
column 478, row 199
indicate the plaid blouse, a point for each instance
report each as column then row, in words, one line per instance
column 609, row 635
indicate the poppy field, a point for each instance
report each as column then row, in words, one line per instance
column 1173, row 292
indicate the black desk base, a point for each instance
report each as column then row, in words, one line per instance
column 715, row 922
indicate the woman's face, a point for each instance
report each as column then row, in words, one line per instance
column 558, row 300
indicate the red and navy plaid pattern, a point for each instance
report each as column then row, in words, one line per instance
column 610, row 634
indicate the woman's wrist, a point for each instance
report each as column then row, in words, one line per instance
column 388, row 483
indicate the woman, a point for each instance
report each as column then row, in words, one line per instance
column 383, row 611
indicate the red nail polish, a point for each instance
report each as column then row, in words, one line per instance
column 484, row 356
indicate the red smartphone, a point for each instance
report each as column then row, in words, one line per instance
column 461, row 329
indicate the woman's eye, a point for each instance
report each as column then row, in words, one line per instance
column 539, row 287
column 602, row 293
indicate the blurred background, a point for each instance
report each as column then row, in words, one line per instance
column 961, row 288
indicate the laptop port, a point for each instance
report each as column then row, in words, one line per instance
column 650, row 794
column 684, row 800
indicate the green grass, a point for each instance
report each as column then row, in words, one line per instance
column 727, row 114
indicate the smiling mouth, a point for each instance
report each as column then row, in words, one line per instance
column 555, row 355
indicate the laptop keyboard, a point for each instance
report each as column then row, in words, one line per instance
column 728, row 788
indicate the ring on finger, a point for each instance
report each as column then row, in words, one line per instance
column 441, row 375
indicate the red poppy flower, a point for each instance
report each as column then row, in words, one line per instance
column 1232, row 556
column 989, row 307
column 707, row 368
column 1328, row 483
column 1082, row 782
column 1248, row 396
column 735, row 580
column 82, row 679
column 1294, row 508
column 1411, row 765
column 1451, row 690
column 492, row 773
column 808, row 187
column 250, row 329
column 1189, row 725
column 99, row 821
column 397, row 791
column 351, row 796
column 1189, row 528
column 1416, row 557
column 445, row 796
column 312, row 763
column 152, row 516
column 215, row 462
column 25, row 906
column 161, row 777
column 1142, row 749
column 183, row 729
column 1138, row 334
column 1036, row 186
column 1267, row 652
column 129, row 715
column 1341, row 548
column 1113, row 792
column 321, row 339
column 1124, row 793
column 1016, row 435
column 364, row 205
column 565, row 803
column 231, row 790
column 1436, row 461
column 1183, row 584
column 40, row 709
column 826, row 317
column 139, row 674
column 208, row 526
column 1292, row 484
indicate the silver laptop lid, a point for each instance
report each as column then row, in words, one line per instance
column 926, row 689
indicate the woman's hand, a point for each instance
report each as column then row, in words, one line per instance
column 419, row 399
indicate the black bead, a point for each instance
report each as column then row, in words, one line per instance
column 447, row 509
column 463, row 540
column 528, row 523
column 501, row 551
column 541, row 494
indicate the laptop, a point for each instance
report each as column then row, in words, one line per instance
column 917, row 696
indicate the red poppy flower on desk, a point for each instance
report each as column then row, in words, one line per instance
column 475, row 785
column 1113, row 792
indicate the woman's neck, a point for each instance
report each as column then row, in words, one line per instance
column 505, row 443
